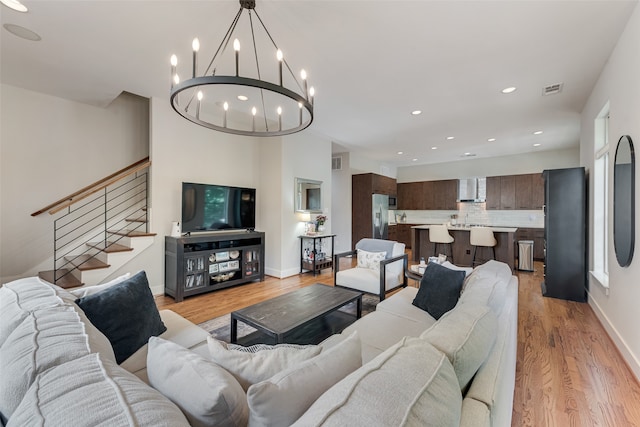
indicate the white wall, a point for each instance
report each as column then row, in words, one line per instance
column 49, row 148
column 495, row 166
column 620, row 85
column 341, row 204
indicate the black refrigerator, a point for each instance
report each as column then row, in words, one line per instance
column 565, row 234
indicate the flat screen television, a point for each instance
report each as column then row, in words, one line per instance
column 208, row 207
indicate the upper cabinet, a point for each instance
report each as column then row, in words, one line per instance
column 428, row 195
column 515, row 192
column 509, row 192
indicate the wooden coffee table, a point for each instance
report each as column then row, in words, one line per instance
column 304, row 316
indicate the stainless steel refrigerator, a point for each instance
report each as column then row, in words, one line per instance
column 380, row 216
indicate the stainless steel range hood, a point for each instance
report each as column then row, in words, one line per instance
column 473, row 190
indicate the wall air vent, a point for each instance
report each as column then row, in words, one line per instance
column 336, row 163
column 552, row 89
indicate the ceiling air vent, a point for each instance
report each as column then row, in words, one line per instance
column 552, row 89
column 336, row 163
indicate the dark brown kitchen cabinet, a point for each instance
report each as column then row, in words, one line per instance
column 537, row 191
column 493, row 192
column 412, row 196
column 363, row 186
column 515, row 192
column 404, row 234
column 507, row 192
column 393, row 233
column 445, row 194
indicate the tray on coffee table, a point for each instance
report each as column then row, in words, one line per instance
column 304, row 316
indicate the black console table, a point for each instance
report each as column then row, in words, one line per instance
column 206, row 262
column 312, row 256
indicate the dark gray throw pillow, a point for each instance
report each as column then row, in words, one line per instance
column 126, row 313
column 439, row 289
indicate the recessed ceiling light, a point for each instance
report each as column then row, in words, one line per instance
column 15, row 5
column 434, row 148
column 22, row 32
column 509, row 89
column 416, row 112
column 537, row 145
column 491, row 139
column 451, row 137
column 538, row 132
column 467, row 154
column 243, row 97
column 414, row 160
column 400, row 152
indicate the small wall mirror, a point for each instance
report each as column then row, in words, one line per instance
column 624, row 201
column 308, row 195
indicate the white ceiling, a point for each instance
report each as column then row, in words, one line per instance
column 371, row 62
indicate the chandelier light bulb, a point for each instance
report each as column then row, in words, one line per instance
column 176, row 79
column 225, row 106
column 279, row 118
column 224, row 119
column 279, row 56
column 312, row 92
column 195, row 45
column 174, row 60
column 254, row 111
column 236, row 47
column 200, row 95
column 303, row 75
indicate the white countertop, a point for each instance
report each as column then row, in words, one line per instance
column 462, row 228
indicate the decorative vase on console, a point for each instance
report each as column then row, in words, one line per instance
column 320, row 220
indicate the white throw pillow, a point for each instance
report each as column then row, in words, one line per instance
column 283, row 398
column 466, row 335
column 251, row 368
column 370, row 260
column 207, row 394
column 92, row 391
column 85, row 291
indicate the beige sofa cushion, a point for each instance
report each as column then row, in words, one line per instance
column 179, row 330
column 465, row 334
column 475, row 414
column 400, row 304
column 494, row 382
column 380, row 330
column 92, row 391
column 207, row 394
column 283, row 398
column 425, row 391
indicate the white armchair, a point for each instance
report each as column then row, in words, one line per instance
column 365, row 277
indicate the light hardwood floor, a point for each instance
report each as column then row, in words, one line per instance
column 569, row 373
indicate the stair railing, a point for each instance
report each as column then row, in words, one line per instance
column 98, row 216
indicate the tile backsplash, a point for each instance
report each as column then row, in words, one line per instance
column 475, row 214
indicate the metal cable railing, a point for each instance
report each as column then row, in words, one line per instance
column 103, row 219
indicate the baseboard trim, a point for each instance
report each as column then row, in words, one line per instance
column 627, row 355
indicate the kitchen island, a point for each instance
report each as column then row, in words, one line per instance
column 462, row 249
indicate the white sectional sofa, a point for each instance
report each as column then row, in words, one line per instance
column 410, row 369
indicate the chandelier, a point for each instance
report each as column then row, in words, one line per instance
column 252, row 95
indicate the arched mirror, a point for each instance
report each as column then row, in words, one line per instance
column 624, row 201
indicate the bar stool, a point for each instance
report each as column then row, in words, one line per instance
column 439, row 234
column 482, row 236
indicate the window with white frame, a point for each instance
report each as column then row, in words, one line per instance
column 601, row 199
